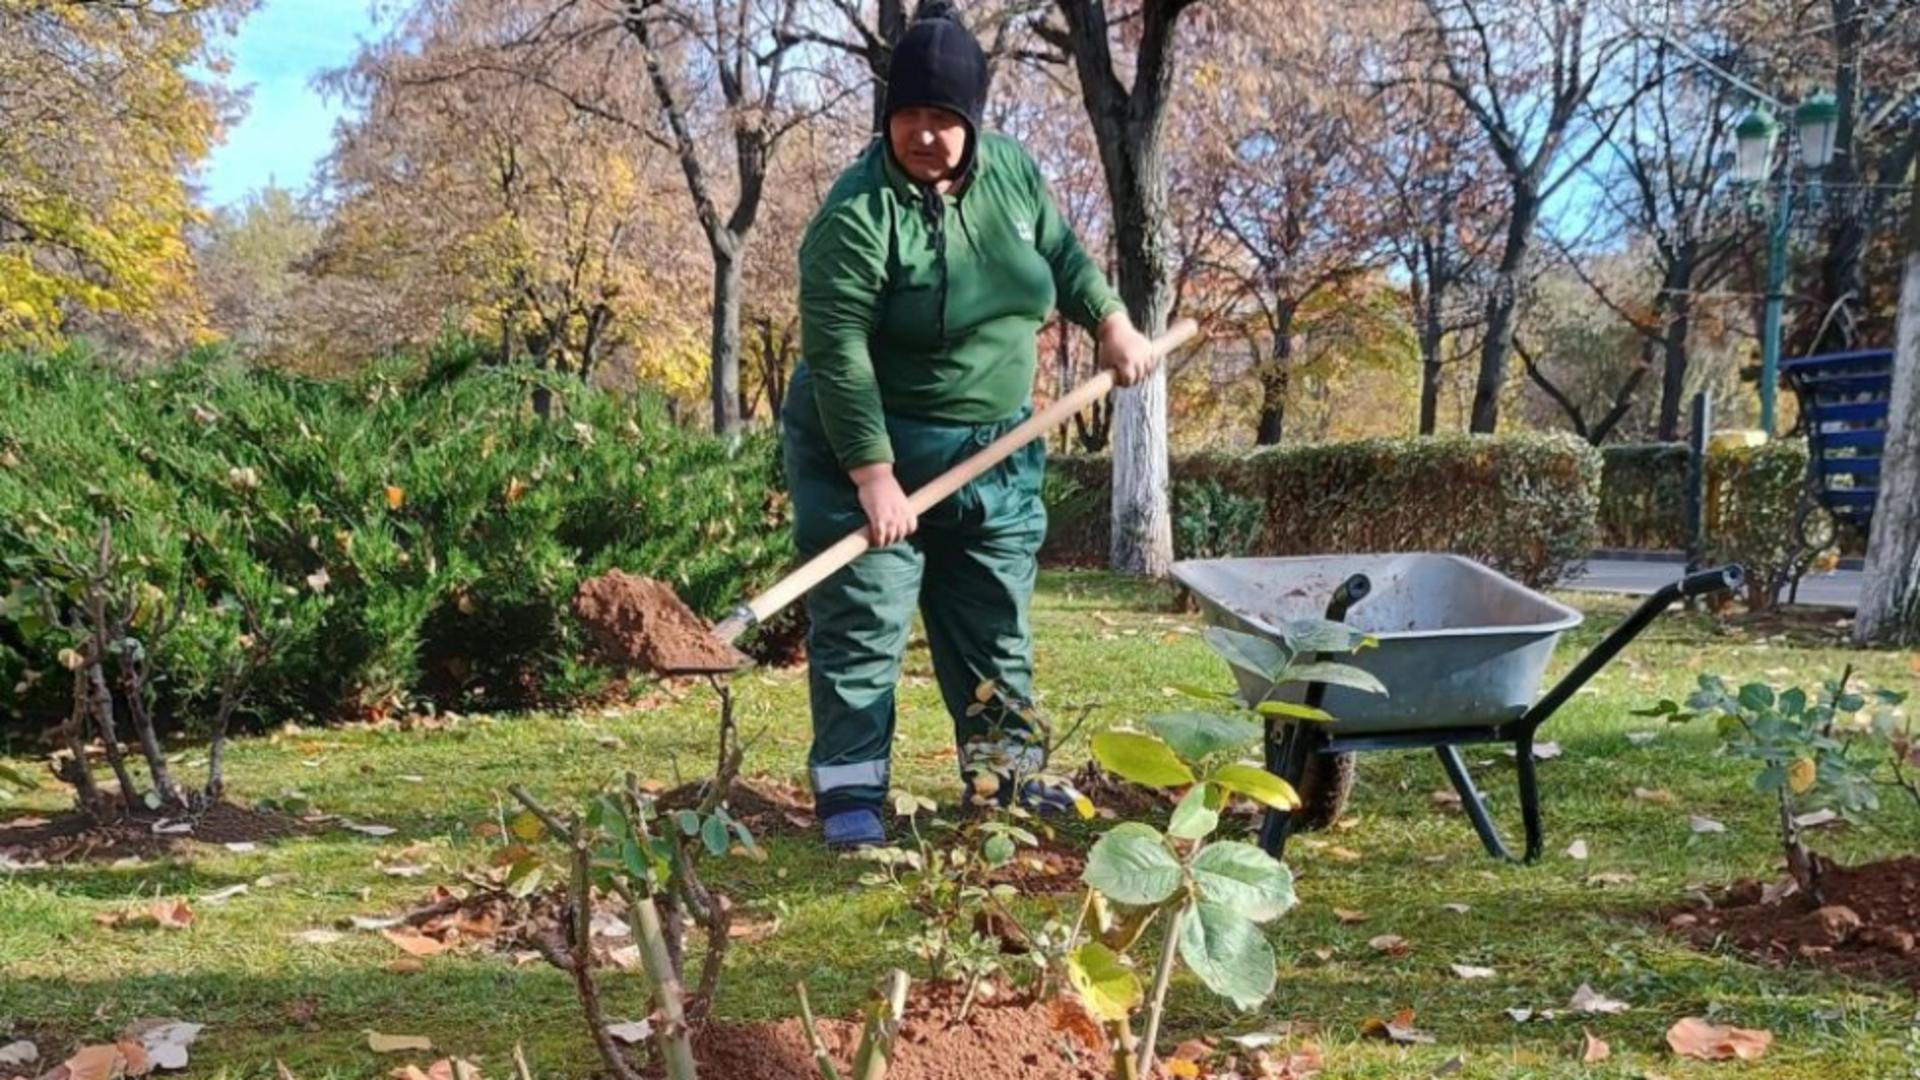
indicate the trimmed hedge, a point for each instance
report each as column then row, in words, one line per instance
column 1643, row 497
column 414, row 532
column 1524, row 504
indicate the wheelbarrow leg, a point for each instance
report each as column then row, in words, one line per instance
column 1287, row 759
column 1473, row 802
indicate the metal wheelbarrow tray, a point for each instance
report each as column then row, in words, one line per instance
column 1462, row 652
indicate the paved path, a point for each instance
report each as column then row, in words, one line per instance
column 1840, row 588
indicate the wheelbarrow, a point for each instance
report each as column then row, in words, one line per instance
column 1461, row 651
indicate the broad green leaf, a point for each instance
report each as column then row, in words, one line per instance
column 1294, row 712
column 1255, row 655
column 1197, row 814
column 1142, row 759
column 1130, row 864
column 1307, row 636
column 1757, row 696
column 1257, row 784
column 1337, row 675
column 689, row 822
column 1245, row 879
column 713, row 833
column 1195, row 735
column 1204, row 694
column 998, row 850
column 1228, row 953
column 1110, row 990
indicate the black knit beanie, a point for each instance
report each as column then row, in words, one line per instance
column 938, row 63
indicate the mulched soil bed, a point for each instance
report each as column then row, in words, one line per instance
column 72, row 837
column 766, row 806
column 1004, row 1039
column 1870, row 925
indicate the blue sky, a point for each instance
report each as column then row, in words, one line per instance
column 288, row 127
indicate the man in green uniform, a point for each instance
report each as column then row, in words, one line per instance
column 924, row 279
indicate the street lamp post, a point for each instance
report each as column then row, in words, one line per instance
column 1815, row 121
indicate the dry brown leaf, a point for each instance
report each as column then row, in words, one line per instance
column 1595, row 1049
column 102, row 1061
column 1302, row 1064
column 414, row 944
column 753, row 932
column 1696, row 1038
column 406, row 965
column 1182, row 1068
column 1349, row 918
column 1657, row 796
column 1400, row 1029
column 1342, row 854
column 138, row 1061
column 1389, row 944
column 1445, row 799
column 394, row 1044
column 1069, row 1014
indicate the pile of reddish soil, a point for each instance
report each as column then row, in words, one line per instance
column 763, row 804
column 639, row 622
column 1052, row 868
column 73, row 837
column 1004, row 1040
column 1869, row 926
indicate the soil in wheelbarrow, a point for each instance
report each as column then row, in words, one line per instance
column 1007, row 1039
column 1869, row 926
column 638, row 622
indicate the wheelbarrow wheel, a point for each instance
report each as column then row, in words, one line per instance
column 1324, row 782
column 1324, row 788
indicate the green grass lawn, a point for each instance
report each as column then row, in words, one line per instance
column 1545, row 929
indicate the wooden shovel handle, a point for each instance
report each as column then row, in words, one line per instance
column 821, row 566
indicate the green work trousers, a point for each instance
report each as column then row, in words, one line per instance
column 969, row 568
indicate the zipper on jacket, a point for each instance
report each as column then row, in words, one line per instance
column 934, row 209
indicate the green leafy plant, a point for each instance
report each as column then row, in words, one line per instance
column 1211, row 522
column 1830, row 748
column 624, row 844
column 1212, row 895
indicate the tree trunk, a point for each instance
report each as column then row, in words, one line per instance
column 1128, row 122
column 1890, row 603
column 1276, row 378
column 1677, row 298
column 1503, row 299
column 1842, row 280
column 1142, row 540
column 1433, row 336
column 725, row 375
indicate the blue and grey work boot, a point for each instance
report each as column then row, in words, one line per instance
column 853, row 829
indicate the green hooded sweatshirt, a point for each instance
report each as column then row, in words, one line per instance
column 928, row 306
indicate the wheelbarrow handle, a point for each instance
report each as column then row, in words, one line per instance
column 1718, row 579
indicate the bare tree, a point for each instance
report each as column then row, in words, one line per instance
column 1890, row 605
column 1529, row 72
column 1442, row 189
column 1129, row 124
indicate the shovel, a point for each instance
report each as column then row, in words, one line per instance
column 718, row 654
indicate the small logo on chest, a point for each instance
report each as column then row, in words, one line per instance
column 1024, row 231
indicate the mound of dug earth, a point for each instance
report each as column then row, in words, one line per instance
column 639, row 622
column 1869, row 926
column 1005, row 1040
